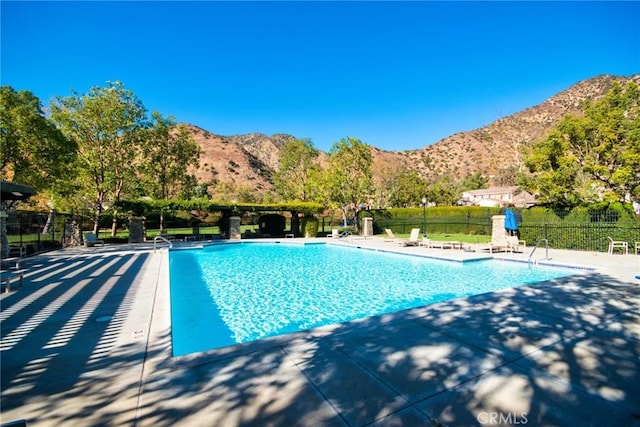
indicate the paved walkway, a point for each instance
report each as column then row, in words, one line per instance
column 87, row 342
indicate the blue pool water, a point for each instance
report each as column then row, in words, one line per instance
column 233, row 293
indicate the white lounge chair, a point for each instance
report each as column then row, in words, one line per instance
column 413, row 238
column 441, row 244
column 390, row 236
column 514, row 243
column 618, row 244
column 90, row 240
column 499, row 243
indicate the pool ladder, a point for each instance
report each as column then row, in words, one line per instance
column 155, row 242
column 546, row 247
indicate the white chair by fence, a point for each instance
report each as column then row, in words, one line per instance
column 618, row 244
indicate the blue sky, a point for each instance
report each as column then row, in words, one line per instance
column 396, row 75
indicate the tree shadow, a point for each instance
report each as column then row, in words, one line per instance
column 564, row 352
column 453, row 363
column 67, row 349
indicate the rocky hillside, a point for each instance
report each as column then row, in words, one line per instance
column 243, row 160
column 495, row 148
column 249, row 160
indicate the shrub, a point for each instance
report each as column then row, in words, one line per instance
column 310, row 226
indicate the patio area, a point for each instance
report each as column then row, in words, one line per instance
column 87, row 341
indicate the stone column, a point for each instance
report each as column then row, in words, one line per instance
column 367, row 227
column 234, row 228
column 498, row 232
column 137, row 230
column 72, row 233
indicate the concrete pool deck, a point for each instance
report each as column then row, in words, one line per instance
column 87, row 342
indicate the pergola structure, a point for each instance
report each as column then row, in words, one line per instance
column 10, row 193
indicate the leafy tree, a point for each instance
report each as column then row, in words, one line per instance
column 590, row 158
column 297, row 177
column 106, row 124
column 32, row 150
column 168, row 152
column 348, row 178
column 444, row 192
column 398, row 186
column 474, row 181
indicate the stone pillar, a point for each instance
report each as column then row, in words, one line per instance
column 498, row 232
column 234, row 228
column 4, row 240
column 72, row 235
column 137, row 230
column 367, row 227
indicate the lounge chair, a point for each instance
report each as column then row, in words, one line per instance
column 390, row 236
column 440, row 244
column 618, row 244
column 413, row 238
column 499, row 243
column 90, row 240
column 514, row 243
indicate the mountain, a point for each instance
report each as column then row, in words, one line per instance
column 493, row 150
column 243, row 160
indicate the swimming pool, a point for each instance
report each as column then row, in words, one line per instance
column 227, row 294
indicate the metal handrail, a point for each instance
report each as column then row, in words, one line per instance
column 546, row 245
column 155, row 241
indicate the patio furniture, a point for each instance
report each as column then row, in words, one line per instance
column 390, row 236
column 514, row 243
column 7, row 276
column 441, row 244
column 413, row 238
column 613, row 244
column 90, row 240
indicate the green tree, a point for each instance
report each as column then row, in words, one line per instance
column 474, row 181
column 106, row 125
column 32, row 150
column 168, row 152
column 444, row 191
column 348, row 178
column 590, row 158
column 398, row 186
column 299, row 171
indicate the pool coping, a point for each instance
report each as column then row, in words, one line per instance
column 221, row 353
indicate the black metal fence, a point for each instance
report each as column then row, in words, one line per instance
column 35, row 231
column 587, row 230
column 581, row 236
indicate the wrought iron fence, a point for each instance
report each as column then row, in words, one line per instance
column 35, row 231
column 581, row 236
column 587, row 230
column 43, row 231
